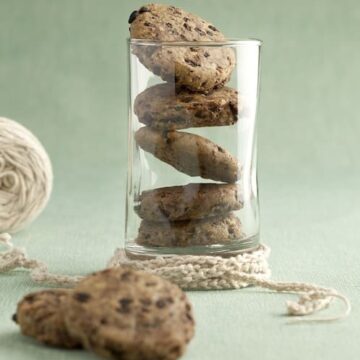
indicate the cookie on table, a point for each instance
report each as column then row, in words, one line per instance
column 192, row 201
column 197, row 68
column 209, row 231
column 191, row 154
column 40, row 315
column 164, row 108
column 130, row 315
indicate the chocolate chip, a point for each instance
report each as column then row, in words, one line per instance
column 220, row 149
column 126, row 276
column 125, row 305
column 133, row 16
column 14, row 318
column 183, row 37
column 161, row 303
column 103, row 321
column 143, row 9
column 187, row 26
column 213, row 28
column 233, row 109
column 169, row 25
column 209, row 33
column 206, row 54
column 175, row 350
column 81, row 297
column 192, row 62
column 125, row 301
column 29, row 298
column 190, row 318
column 186, row 19
column 146, row 23
column 192, row 49
column 201, row 32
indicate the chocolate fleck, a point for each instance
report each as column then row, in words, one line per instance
column 143, row 9
column 213, row 28
column 125, row 305
column 126, row 276
column 209, row 33
column 187, row 26
column 206, row 54
column 29, row 298
column 161, row 303
column 146, row 23
column 175, row 350
column 234, row 109
column 169, row 25
column 81, row 296
column 14, row 318
column 133, row 16
column 202, row 33
column 192, row 62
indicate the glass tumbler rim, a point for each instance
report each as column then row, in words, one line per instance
column 210, row 43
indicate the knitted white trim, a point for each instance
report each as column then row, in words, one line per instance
column 197, row 272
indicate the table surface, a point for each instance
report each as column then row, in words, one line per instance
column 63, row 75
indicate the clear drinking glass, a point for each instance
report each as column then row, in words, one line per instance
column 180, row 142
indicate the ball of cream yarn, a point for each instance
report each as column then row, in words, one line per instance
column 25, row 176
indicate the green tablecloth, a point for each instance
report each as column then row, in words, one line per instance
column 63, row 75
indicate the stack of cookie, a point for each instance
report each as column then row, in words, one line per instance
column 194, row 95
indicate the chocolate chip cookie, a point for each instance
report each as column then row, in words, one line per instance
column 199, row 68
column 189, row 153
column 165, row 108
column 130, row 315
column 40, row 315
column 209, row 231
column 192, row 201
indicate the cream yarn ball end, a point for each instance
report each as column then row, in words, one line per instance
column 26, row 176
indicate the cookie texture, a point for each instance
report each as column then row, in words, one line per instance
column 40, row 315
column 192, row 201
column 130, row 315
column 189, row 153
column 209, row 231
column 198, row 68
column 165, row 108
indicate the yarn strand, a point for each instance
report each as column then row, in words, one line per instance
column 197, row 272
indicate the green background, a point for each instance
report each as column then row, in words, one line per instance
column 63, row 75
